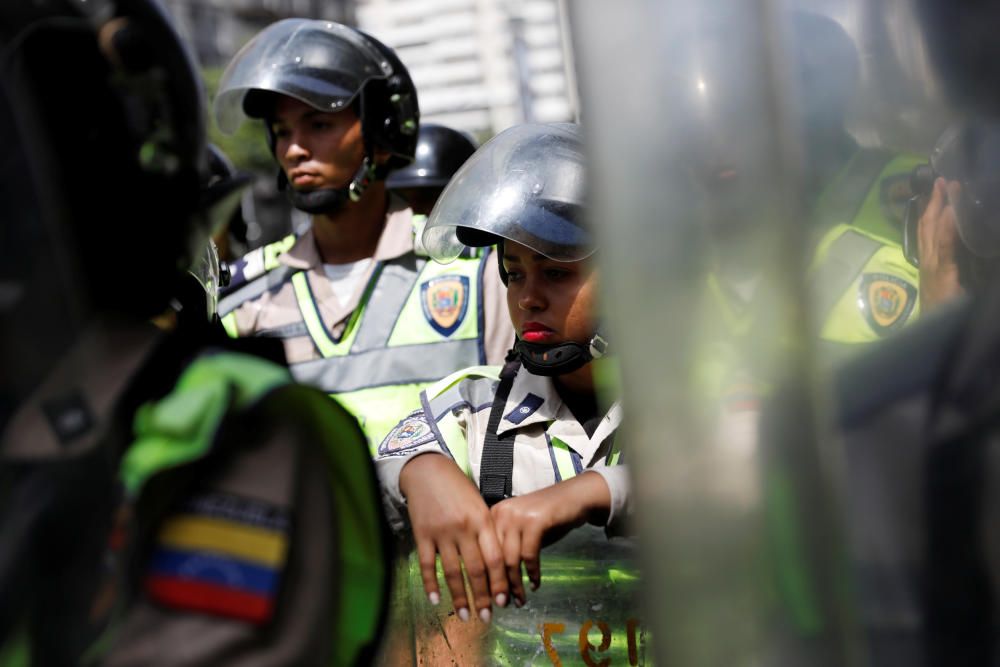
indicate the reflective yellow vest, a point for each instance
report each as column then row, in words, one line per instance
column 393, row 346
column 862, row 287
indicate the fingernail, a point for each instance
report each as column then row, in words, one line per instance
column 485, row 615
column 501, row 600
column 434, row 598
column 463, row 614
column 535, row 585
column 518, row 603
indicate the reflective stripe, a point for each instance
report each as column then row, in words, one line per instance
column 254, row 289
column 229, row 324
column 273, row 250
column 838, row 268
column 293, row 330
column 325, row 343
column 410, row 364
column 391, row 292
column 563, row 455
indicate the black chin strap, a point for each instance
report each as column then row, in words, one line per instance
column 330, row 200
column 496, row 466
column 562, row 358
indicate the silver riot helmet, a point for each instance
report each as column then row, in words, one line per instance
column 526, row 185
column 330, row 67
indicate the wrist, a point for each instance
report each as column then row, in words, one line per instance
column 420, row 466
column 595, row 496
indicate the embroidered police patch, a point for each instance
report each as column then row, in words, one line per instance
column 409, row 433
column 886, row 301
column 525, row 409
column 445, row 300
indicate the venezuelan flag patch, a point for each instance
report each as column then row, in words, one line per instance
column 220, row 554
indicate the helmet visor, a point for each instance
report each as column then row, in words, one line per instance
column 320, row 63
column 525, row 185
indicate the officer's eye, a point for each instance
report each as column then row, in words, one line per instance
column 321, row 125
column 280, row 132
column 556, row 274
column 514, row 276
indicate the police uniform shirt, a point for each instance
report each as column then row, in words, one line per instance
column 550, row 445
column 275, row 312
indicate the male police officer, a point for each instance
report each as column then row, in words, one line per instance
column 169, row 493
column 363, row 316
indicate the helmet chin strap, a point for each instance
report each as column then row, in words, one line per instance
column 328, row 201
column 561, row 358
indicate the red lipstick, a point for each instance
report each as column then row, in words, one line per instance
column 536, row 332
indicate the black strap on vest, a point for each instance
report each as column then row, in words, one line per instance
column 496, row 466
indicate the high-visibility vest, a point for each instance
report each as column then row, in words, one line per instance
column 417, row 322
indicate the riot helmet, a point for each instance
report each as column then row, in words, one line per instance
column 439, row 154
column 330, row 67
column 526, row 185
column 719, row 108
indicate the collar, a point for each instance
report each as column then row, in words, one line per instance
column 533, row 400
column 396, row 239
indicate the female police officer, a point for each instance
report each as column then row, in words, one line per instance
column 532, row 437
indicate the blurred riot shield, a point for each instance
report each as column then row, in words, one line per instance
column 726, row 138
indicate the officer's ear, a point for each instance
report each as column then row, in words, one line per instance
column 382, row 157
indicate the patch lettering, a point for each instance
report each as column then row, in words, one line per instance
column 409, row 433
column 445, row 302
column 886, row 301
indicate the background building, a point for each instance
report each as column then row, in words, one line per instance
column 480, row 65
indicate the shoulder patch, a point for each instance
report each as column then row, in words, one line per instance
column 220, row 554
column 886, row 301
column 409, row 433
column 445, row 302
column 525, row 409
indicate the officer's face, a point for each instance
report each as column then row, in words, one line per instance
column 316, row 149
column 549, row 302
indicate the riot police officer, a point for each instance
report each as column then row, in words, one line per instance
column 165, row 498
column 499, row 462
column 362, row 315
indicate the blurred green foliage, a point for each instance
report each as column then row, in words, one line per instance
column 247, row 147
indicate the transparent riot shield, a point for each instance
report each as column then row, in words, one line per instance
column 586, row 612
column 750, row 163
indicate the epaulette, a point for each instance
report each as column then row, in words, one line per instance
column 256, row 263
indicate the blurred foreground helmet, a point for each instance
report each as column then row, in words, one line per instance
column 440, row 152
column 525, row 185
column 103, row 167
column 327, row 66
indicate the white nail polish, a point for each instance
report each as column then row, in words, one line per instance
column 434, row 598
column 485, row 615
column 501, row 600
column 463, row 614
